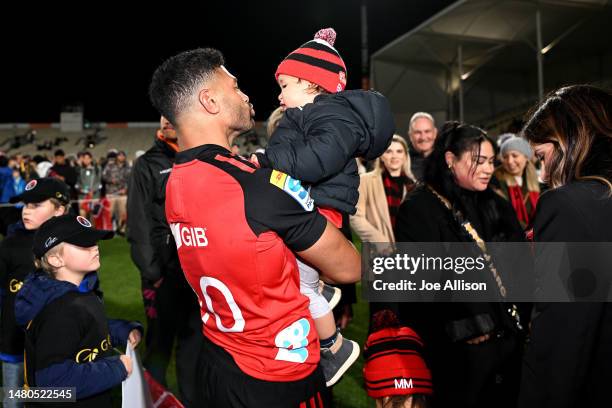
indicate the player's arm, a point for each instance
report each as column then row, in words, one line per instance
column 278, row 203
column 334, row 257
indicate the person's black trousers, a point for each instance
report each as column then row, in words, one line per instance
column 173, row 314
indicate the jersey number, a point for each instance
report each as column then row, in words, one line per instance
column 291, row 341
column 238, row 326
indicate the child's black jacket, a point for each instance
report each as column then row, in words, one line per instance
column 318, row 144
column 68, row 341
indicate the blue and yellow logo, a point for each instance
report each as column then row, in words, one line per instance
column 294, row 188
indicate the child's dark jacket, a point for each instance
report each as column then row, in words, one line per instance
column 69, row 342
column 318, row 144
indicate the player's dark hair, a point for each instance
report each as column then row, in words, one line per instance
column 178, row 78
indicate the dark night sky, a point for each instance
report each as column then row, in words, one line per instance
column 104, row 56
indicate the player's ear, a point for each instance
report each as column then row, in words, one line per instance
column 209, row 101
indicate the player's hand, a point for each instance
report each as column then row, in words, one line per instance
column 127, row 363
column 134, row 338
column 253, row 159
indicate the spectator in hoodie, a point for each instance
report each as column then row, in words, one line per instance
column 68, row 339
column 89, row 184
column 115, row 176
column 44, row 198
column 322, row 131
column 43, row 165
column 14, row 187
column 8, row 214
column 62, row 170
column 6, row 174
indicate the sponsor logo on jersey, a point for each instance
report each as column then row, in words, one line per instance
column 292, row 342
column 278, row 178
column 188, row 236
column 294, row 188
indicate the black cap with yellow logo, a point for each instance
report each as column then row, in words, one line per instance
column 43, row 189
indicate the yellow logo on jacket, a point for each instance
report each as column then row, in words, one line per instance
column 87, row 355
column 15, row 285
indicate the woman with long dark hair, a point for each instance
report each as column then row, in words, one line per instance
column 569, row 361
column 473, row 349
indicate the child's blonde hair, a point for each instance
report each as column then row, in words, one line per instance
column 44, row 264
column 379, row 165
column 57, row 204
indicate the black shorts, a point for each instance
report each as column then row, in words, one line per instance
column 223, row 384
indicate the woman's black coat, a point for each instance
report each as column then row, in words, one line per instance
column 569, row 360
column 464, row 375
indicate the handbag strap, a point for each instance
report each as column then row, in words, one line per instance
column 473, row 234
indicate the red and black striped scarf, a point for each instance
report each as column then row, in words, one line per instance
column 394, row 190
column 524, row 203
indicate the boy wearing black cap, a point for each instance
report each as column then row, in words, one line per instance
column 68, row 340
column 43, row 199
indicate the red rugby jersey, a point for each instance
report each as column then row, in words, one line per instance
column 236, row 227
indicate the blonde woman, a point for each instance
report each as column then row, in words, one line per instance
column 518, row 178
column 380, row 193
column 273, row 120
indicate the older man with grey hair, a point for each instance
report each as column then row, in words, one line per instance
column 422, row 134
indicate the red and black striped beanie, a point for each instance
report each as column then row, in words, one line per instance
column 393, row 364
column 317, row 61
